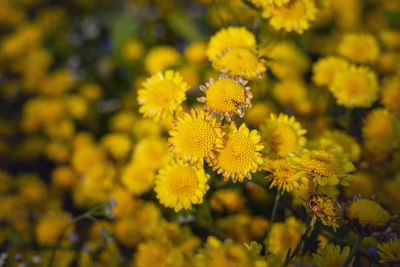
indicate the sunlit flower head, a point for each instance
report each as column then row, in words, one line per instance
column 324, row 208
column 293, row 16
column 226, row 96
column 196, row 136
column 240, row 154
column 355, row 87
column 359, row 47
column 282, row 135
column 240, row 62
column 137, row 177
column 324, row 167
column 178, row 186
column 281, row 173
column 162, row 95
column 153, row 253
column 389, row 251
column 160, row 58
column 284, row 236
column 231, row 37
column 332, row 256
column 325, row 69
column 382, row 128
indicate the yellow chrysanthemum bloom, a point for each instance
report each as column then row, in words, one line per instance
column 240, row 154
column 286, row 60
column 362, row 185
column 219, row 254
column 332, row 256
column 231, row 37
column 196, row 136
column 137, row 177
column 355, row 87
column 391, row 93
column 158, row 254
column 226, row 96
column 281, row 173
column 229, row 198
column 196, row 53
column 324, row 167
column 389, row 251
column 160, row 58
column 282, row 135
column 359, row 47
column 293, row 16
column 162, row 95
column 133, row 50
column 240, row 62
column 255, row 116
column 178, row 186
column 325, row 69
column 290, row 91
column 382, row 128
column 368, row 213
column 152, row 152
column 117, row 144
column 324, row 208
column 284, row 236
column 339, row 141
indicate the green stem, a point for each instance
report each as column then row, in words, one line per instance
column 274, row 209
column 353, row 251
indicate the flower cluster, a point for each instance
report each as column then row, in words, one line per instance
column 199, row 133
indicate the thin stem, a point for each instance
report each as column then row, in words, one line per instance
column 274, row 209
column 257, row 23
column 353, row 251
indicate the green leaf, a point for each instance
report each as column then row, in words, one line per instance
column 183, row 26
column 122, row 28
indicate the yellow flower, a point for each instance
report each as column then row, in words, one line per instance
column 91, row 91
column 293, row 16
column 123, row 121
column 152, row 253
column 282, row 135
column 290, row 91
column 196, row 136
column 137, row 177
column 117, row 144
column 196, row 52
column 49, row 228
column 324, row 167
column 382, row 128
column 286, row 59
column 231, row 37
column 325, row 69
column 219, row 254
column 255, row 116
column 368, row 213
column 226, row 96
column 339, row 141
column 284, row 236
column 359, row 47
column 362, row 184
column 179, row 186
column 389, row 251
column 85, row 157
column 64, row 176
column 240, row 154
column 332, row 256
column 229, row 198
column 355, row 87
column 281, row 172
column 240, row 62
column 391, row 93
column 133, row 50
column 162, row 95
column 160, row 58
column 324, row 208
column 152, row 152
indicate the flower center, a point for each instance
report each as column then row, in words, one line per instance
column 182, row 182
column 225, row 95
